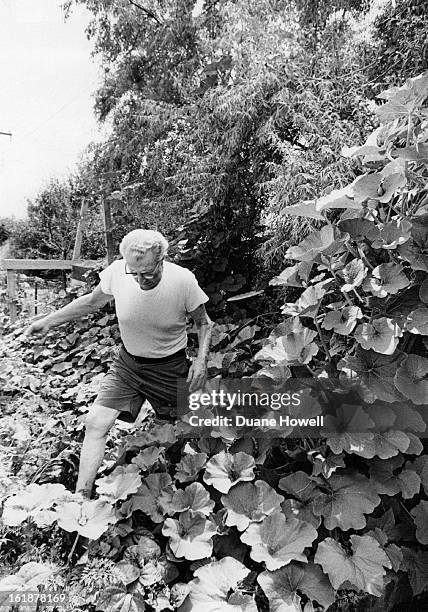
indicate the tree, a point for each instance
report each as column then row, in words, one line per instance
column 400, row 42
column 49, row 232
column 189, row 102
column 4, row 231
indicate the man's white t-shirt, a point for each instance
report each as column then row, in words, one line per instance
column 152, row 322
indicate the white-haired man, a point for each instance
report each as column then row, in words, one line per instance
column 152, row 299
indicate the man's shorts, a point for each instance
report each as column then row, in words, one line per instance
column 129, row 383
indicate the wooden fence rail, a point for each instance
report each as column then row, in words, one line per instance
column 13, row 265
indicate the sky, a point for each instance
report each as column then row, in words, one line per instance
column 47, row 82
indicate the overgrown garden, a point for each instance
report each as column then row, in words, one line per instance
column 304, row 208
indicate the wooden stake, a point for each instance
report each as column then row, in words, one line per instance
column 106, row 214
column 72, row 548
column 80, row 230
column 11, row 294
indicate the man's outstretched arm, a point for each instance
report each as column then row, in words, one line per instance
column 78, row 308
column 198, row 369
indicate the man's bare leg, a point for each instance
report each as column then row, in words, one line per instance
column 99, row 421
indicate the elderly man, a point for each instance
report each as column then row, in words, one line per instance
column 152, row 298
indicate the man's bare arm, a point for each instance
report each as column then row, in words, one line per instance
column 78, row 308
column 204, row 327
column 198, row 370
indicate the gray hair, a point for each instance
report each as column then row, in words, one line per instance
column 139, row 241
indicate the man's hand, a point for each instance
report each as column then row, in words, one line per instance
column 39, row 327
column 197, row 375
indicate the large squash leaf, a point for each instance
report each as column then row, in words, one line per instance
column 31, row 501
column 123, row 481
column 90, row 518
column 392, row 551
column 415, row 563
column 215, row 589
column 386, row 279
column 417, row 321
column 372, row 374
column 278, row 540
column 342, row 321
column 190, row 536
column 293, row 276
column 295, row 345
column 190, row 466
column 153, row 496
column 370, row 149
column 391, row 235
column 305, row 209
column 281, row 586
column 250, row 502
column 310, row 247
column 365, row 567
column 420, row 465
column 117, row 599
column 353, row 274
column 388, row 440
column 28, row 577
column 224, row 470
column 407, row 482
column 194, row 497
column 412, row 379
column 381, row 335
column 303, row 489
column 159, row 435
column 420, row 512
column 326, row 463
column 146, row 550
column 350, row 497
column 350, row 431
column 147, row 457
column 415, row 250
column 338, row 198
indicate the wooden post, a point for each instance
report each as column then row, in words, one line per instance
column 11, row 294
column 106, row 214
column 36, row 297
column 80, row 229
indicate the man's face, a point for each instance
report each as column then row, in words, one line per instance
column 145, row 269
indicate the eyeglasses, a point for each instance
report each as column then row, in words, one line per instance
column 146, row 272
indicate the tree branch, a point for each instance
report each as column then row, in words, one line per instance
column 147, row 11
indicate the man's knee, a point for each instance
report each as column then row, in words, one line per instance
column 100, row 419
